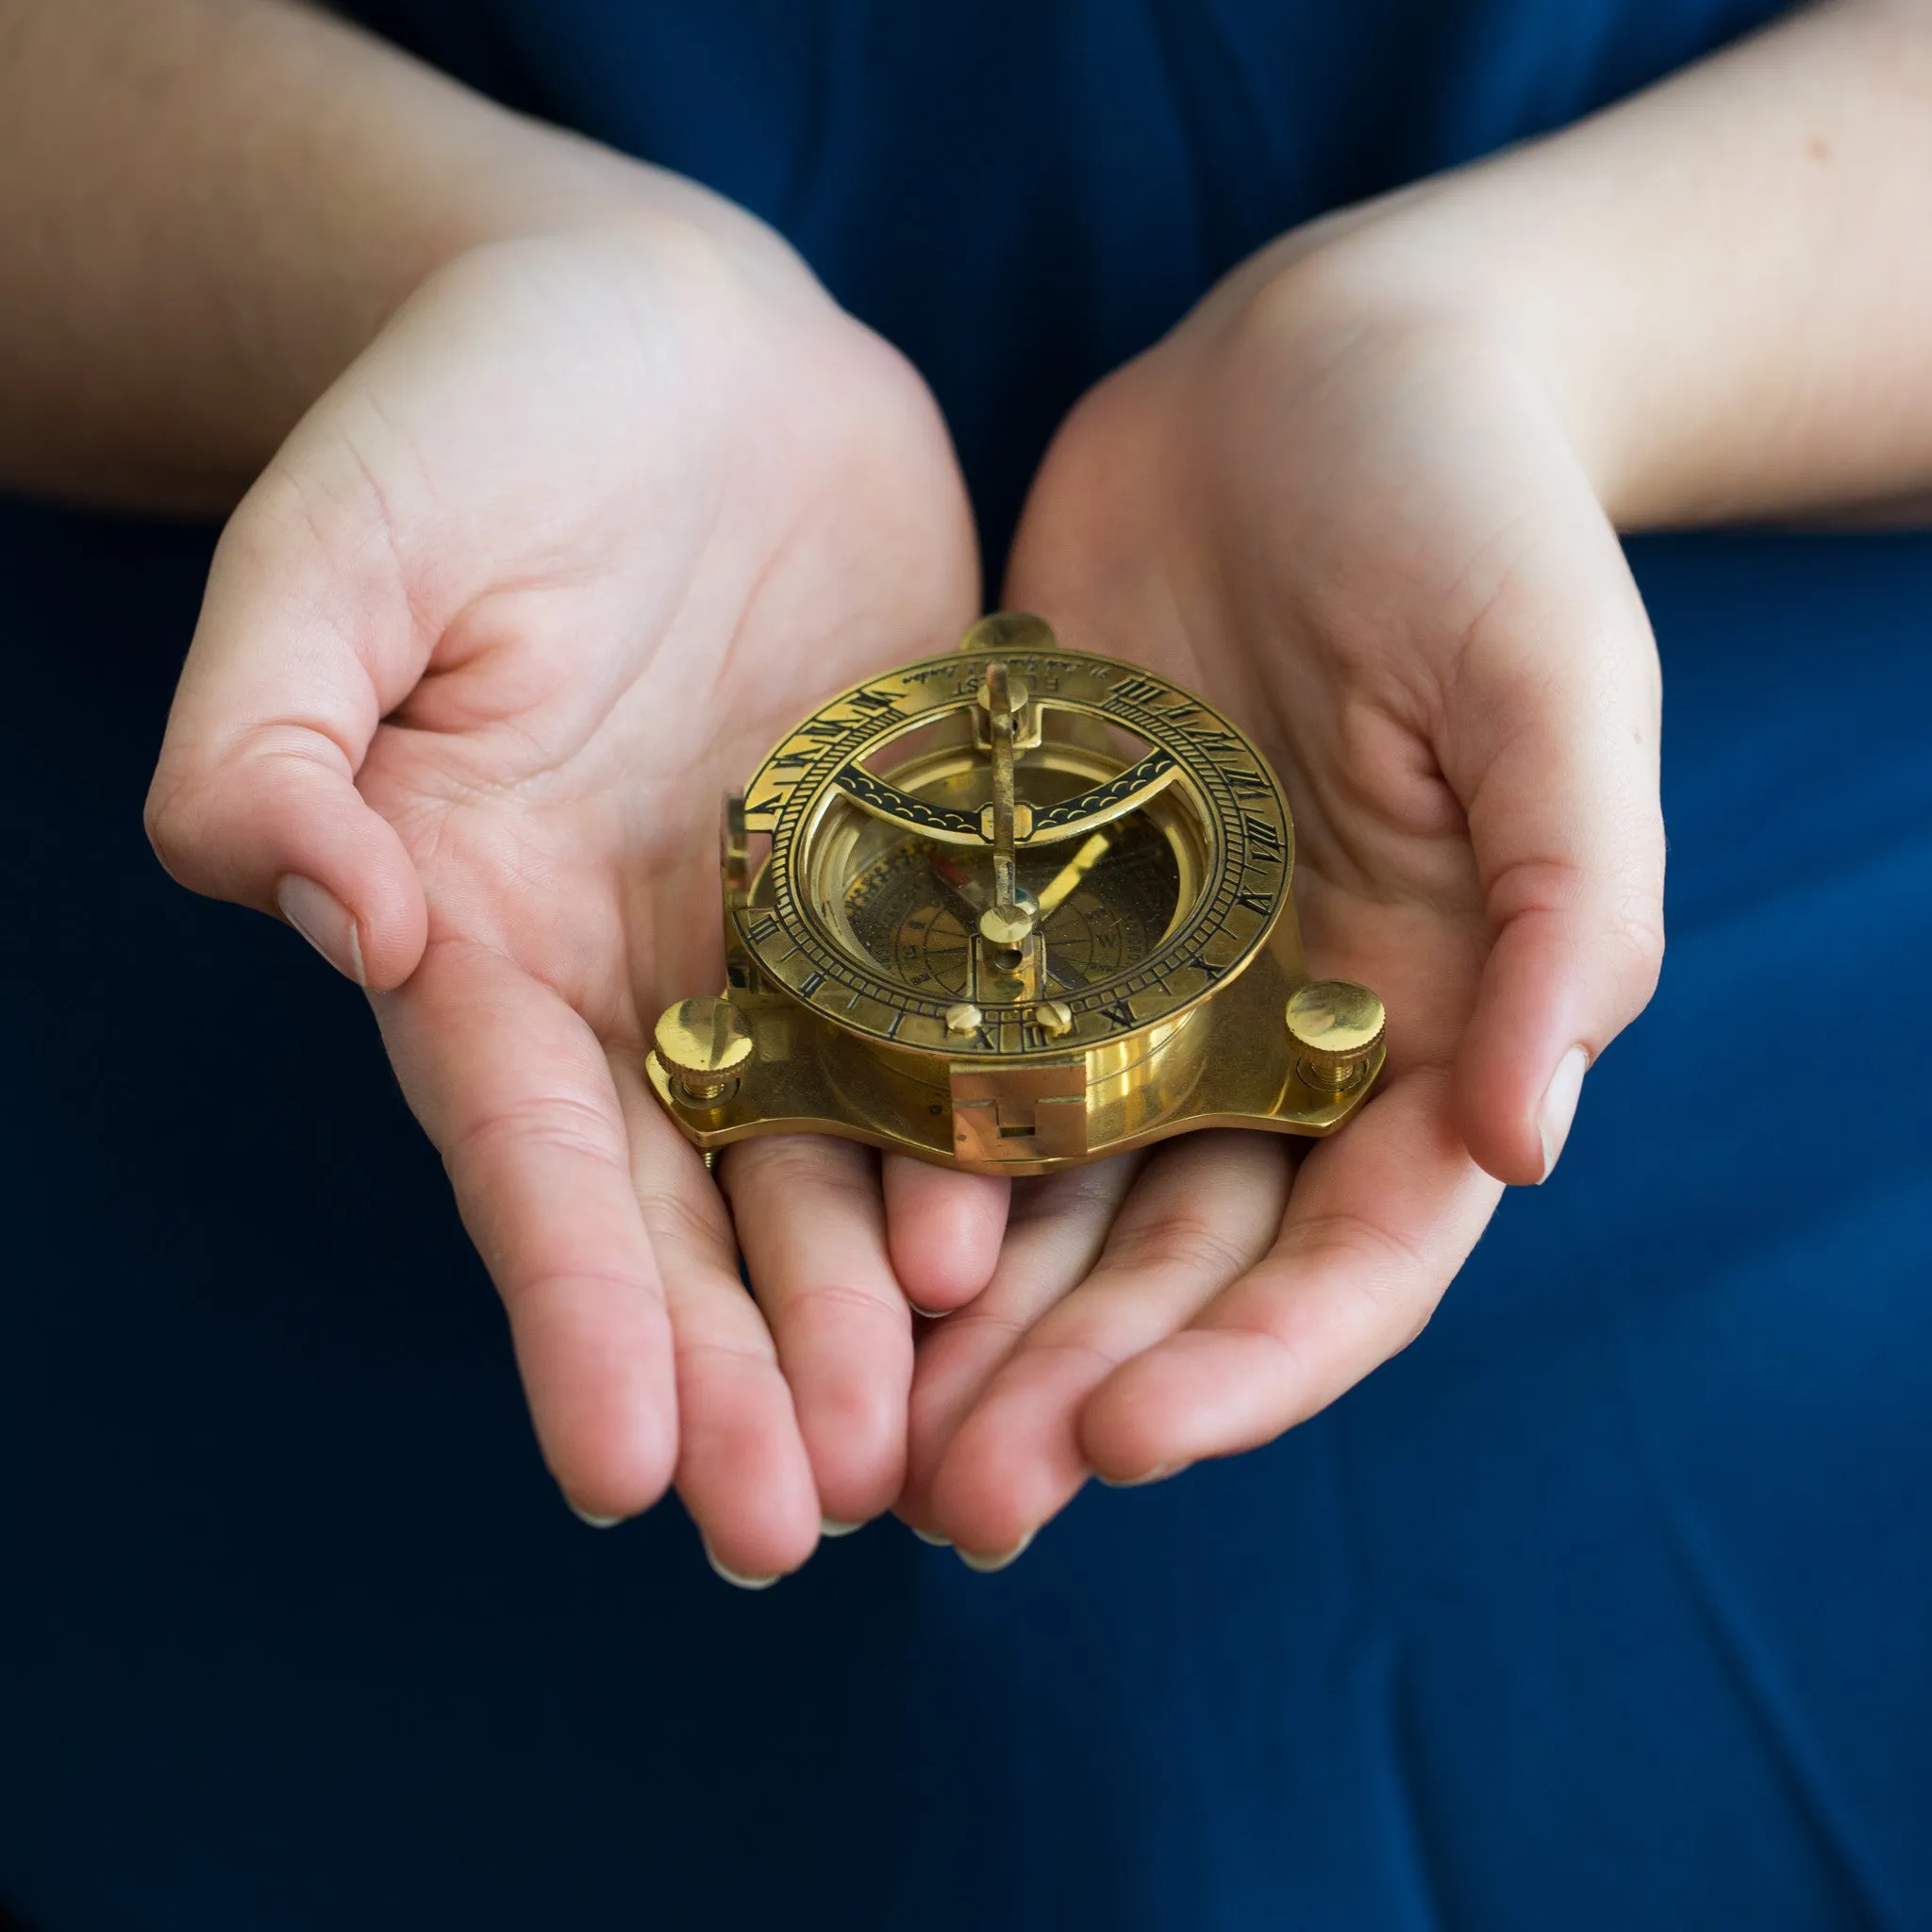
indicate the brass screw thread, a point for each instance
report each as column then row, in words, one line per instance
column 1338, row 1025
column 1335, row 1080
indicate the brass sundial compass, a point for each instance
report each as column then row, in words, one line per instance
column 1011, row 910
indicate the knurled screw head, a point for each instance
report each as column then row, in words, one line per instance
column 1335, row 1027
column 703, row 1044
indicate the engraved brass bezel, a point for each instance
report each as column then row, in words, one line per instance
column 805, row 790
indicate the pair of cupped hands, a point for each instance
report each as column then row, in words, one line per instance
column 597, row 516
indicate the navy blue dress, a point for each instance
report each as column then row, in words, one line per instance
column 1606, row 1605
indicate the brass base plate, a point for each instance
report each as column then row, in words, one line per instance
column 1232, row 1065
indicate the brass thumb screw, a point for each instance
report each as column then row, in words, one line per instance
column 1336, row 1027
column 702, row 1045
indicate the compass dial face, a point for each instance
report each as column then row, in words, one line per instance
column 1104, row 904
column 1151, row 840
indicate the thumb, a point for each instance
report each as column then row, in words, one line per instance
column 304, row 642
column 1552, row 744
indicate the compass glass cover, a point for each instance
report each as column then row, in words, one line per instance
column 912, row 904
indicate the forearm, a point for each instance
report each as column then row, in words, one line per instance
column 1727, row 281
column 208, row 206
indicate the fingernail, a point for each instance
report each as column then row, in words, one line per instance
column 986, row 1565
column 732, row 1578
column 596, row 1521
column 939, row 1543
column 1560, row 1104
column 829, row 1525
column 324, row 921
column 1139, row 1482
column 930, row 1314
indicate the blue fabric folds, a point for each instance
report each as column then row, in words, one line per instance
column 1605, row 1606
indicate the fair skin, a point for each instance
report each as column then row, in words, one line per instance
column 470, row 678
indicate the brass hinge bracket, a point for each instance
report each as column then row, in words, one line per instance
column 1029, row 1113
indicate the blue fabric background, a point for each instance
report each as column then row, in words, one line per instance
column 1605, row 1606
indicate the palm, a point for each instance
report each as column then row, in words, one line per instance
column 1347, row 551
column 608, row 596
column 1329, row 600
column 585, row 847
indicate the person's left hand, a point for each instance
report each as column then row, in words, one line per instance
column 1358, row 526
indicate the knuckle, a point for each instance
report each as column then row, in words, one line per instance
column 804, row 1165
column 1183, row 1241
column 975, row 1320
column 1630, row 940
column 839, row 1300
column 675, row 1217
column 521, row 1290
column 753, row 1361
column 176, row 820
column 209, row 811
column 1081, row 1193
column 1381, row 1266
column 1619, row 922
column 1093, row 1358
column 1636, row 925
column 559, row 1123
column 1549, row 885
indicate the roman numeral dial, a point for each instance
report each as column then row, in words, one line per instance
column 1013, row 828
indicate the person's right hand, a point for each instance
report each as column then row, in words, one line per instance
column 595, row 518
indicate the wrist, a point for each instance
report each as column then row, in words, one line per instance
column 475, row 178
column 279, row 183
column 520, row 179
column 1710, row 281
column 1441, row 260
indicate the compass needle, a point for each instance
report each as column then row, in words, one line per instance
column 1076, row 869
